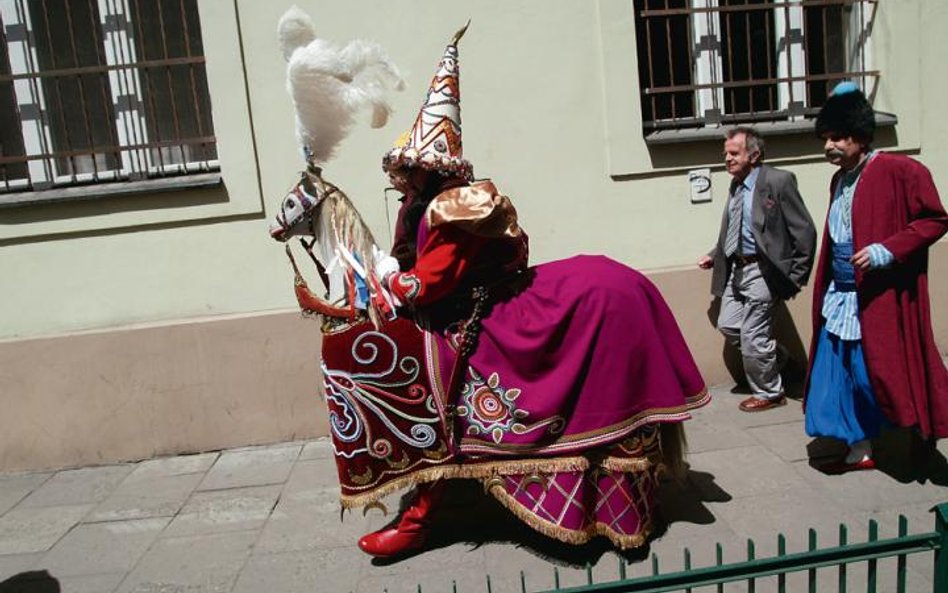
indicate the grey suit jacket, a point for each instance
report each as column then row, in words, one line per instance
column 783, row 230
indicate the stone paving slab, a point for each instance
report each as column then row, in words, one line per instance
column 78, row 486
column 440, row 564
column 751, row 471
column 700, row 539
column 312, row 480
column 147, row 495
column 237, row 509
column 782, row 439
column 297, row 526
column 173, row 466
column 714, row 432
column 251, row 467
column 24, row 530
column 14, row 564
column 102, row 548
column 870, row 492
column 790, row 512
column 321, row 449
column 15, row 487
column 267, row 518
column 299, row 572
column 208, row 563
column 94, row 583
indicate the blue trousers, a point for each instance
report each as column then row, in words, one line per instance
column 839, row 402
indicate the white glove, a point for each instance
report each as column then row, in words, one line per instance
column 385, row 265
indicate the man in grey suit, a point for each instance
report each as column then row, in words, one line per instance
column 764, row 254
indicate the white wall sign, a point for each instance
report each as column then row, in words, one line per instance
column 700, row 182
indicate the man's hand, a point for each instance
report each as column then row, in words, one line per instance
column 872, row 257
column 705, row 262
column 861, row 259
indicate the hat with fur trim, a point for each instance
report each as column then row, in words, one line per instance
column 434, row 140
column 846, row 112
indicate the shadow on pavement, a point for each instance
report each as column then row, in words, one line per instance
column 900, row 454
column 906, row 457
column 470, row 516
column 822, row 450
column 37, row 581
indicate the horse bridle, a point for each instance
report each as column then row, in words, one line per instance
column 307, row 201
column 309, row 302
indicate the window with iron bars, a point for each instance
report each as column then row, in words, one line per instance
column 95, row 91
column 711, row 62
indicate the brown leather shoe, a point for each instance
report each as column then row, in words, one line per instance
column 752, row 404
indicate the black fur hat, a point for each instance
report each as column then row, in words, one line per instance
column 846, row 113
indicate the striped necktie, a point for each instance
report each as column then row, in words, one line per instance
column 735, row 209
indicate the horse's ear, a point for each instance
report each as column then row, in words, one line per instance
column 306, row 180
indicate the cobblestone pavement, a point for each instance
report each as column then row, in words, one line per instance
column 266, row 519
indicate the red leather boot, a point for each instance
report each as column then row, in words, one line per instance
column 411, row 531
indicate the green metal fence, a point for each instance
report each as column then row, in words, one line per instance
column 839, row 558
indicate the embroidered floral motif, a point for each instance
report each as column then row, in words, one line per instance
column 488, row 408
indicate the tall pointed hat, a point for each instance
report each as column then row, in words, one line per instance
column 434, row 140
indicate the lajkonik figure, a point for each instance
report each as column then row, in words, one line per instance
column 561, row 387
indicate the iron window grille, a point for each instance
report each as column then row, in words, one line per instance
column 712, row 62
column 95, row 91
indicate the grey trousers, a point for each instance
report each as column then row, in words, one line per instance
column 746, row 320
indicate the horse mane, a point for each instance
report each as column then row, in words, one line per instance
column 349, row 230
column 340, row 227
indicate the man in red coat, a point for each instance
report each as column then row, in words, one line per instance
column 873, row 360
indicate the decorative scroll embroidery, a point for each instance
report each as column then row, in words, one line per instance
column 358, row 401
column 410, row 283
column 487, row 408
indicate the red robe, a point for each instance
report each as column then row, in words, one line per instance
column 895, row 204
column 470, row 235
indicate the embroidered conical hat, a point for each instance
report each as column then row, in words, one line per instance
column 434, row 140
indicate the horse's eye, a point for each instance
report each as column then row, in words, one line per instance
column 290, row 204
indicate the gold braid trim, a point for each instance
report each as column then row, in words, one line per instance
column 422, row 476
column 627, row 466
column 483, row 471
column 572, row 536
column 698, row 400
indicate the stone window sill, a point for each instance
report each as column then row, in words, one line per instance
column 110, row 189
column 765, row 128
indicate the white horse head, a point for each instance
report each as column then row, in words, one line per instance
column 341, row 246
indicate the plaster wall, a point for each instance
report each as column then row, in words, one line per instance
column 163, row 323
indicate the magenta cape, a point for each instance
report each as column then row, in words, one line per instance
column 586, row 354
column 896, row 204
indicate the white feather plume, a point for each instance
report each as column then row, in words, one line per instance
column 329, row 83
column 294, row 30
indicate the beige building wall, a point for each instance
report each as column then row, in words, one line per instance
column 162, row 323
